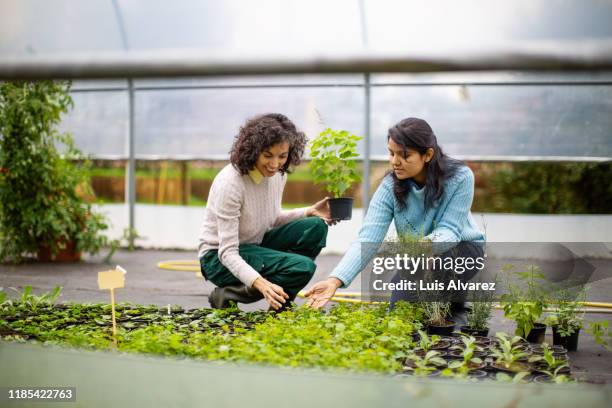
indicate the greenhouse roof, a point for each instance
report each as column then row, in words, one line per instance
column 113, row 38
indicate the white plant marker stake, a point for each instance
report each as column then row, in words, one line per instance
column 112, row 279
column 169, row 314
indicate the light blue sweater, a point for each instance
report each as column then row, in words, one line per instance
column 450, row 221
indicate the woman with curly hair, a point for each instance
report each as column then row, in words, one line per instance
column 249, row 247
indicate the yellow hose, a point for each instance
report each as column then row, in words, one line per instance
column 352, row 297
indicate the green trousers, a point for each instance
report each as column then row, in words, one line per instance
column 284, row 257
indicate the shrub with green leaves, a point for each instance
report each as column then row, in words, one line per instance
column 333, row 154
column 41, row 190
column 524, row 305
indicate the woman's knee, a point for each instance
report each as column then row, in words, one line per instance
column 317, row 228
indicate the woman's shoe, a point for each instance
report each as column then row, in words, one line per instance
column 220, row 298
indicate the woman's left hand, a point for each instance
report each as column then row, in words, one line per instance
column 321, row 210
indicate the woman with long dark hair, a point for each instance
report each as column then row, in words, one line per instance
column 426, row 193
column 249, row 247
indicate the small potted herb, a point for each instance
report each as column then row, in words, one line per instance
column 566, row 322
column 525, row 305
column 333, row 154
column 478, row 319
column 479, row 314
column 437, row 317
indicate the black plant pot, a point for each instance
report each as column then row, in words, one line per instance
column 341, row 208
column 536, row 335
column 473, row 332
column 569, row 342
column 446, row 330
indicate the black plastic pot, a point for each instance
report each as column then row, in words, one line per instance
column 479, row 374
column 446, row 330
column 341, row 208
column 569, row 342
column 474, row 332
column 536, row 335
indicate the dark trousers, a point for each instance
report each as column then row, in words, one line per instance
column 284, row 257
column 462, row 249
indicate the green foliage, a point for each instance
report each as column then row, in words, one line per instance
column 552, row 363
column 601, row 333
column 551, row 188
column 479, row 315
column 41, row 191
column 333, row 154
column 350, row 337
column 508, row 350
column 428, row 363
column 524, row 305
column 467, row 354
column 567, row 319
column 425, row 342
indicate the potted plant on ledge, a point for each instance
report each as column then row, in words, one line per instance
column 42, row 206
column 333, row 154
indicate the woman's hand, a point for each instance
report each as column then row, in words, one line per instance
column 274, row 294
column 322, row 291
column 321, row 210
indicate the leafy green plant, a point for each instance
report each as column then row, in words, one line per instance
column 467, row 354
column 479, row 314
column 425, row 342
column 516, row 379
column 568, row 317
column 428, row 363
column 34, row 301
column 508, row 350
column 601, row 333
column 333, row 154
column 41, row 191
column 524, row 305
column 548, row 358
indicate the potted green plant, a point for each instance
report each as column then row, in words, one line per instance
column 437, row 317
column 507, row 354
column 426, row 365
column 526, row 305
column 566, row 321
column 333, row 154
column 468, row 354
column 42, row 206
column 479, row 314
column 426, row 343
column 478, row 317
column 547, row 362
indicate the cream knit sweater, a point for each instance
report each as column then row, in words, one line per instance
column 241, row 211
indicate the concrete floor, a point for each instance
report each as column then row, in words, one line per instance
column 147, row 284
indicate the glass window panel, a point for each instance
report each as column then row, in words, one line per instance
column 99, row 122
column 502, row 120
column 204, row 122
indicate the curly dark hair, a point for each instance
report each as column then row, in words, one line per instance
column 261, row 132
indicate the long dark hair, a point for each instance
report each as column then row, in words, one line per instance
column 416, row 134
column 261, row 132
